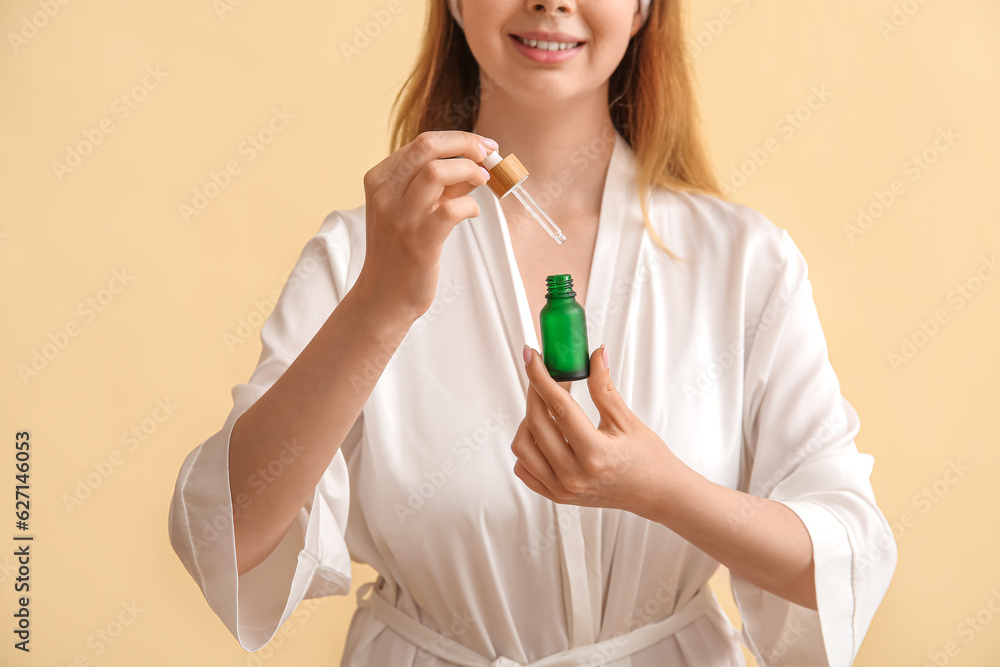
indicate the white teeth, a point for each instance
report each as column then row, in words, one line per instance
column 548, row 46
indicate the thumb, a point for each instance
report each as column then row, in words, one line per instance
column 609, row 403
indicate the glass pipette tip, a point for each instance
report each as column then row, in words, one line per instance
column 538, row 213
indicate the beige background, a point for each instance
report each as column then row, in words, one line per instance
column 162, row 336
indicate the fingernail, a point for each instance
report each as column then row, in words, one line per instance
column 486, row 173
column 483, row 149
column 607, row 361
column 490, row 143
column 527, row 354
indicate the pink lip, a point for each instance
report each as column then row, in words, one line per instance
column 540, row 56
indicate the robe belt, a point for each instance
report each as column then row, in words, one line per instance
column 598, row 653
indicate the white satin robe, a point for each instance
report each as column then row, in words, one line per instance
column 723, row 357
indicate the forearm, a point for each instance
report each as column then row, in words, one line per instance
column 760, row 540
column 309, row 409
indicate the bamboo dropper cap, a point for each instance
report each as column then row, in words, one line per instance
column 505, row 173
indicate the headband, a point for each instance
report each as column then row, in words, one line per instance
column 453, row 5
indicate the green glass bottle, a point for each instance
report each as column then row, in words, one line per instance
column 564, row 331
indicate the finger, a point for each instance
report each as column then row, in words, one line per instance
column 448, row 214
column 572, row 421
column 426, row 190
column 549, row 438
column 526, row 450
column 609, row 403
column 403, row 165
column 531, row 481
column 460, row 189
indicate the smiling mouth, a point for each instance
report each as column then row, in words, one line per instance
column 547, row 46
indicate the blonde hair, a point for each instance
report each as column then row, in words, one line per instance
column 651, row 100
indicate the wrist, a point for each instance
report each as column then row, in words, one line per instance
column 382, row 321
column 674, row 487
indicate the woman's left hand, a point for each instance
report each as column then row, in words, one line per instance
column 620, row 464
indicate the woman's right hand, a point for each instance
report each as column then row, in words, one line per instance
column 413, row 199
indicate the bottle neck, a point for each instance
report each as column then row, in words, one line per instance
column 559, row 286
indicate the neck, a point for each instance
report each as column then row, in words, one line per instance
column 567, row 147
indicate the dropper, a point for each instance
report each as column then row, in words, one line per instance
column 506, row 175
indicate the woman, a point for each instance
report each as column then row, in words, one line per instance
column 400, row 414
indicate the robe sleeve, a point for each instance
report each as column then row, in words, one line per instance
column 312, row 559
column 799, row 443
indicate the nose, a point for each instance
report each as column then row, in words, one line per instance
column 554, row 7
